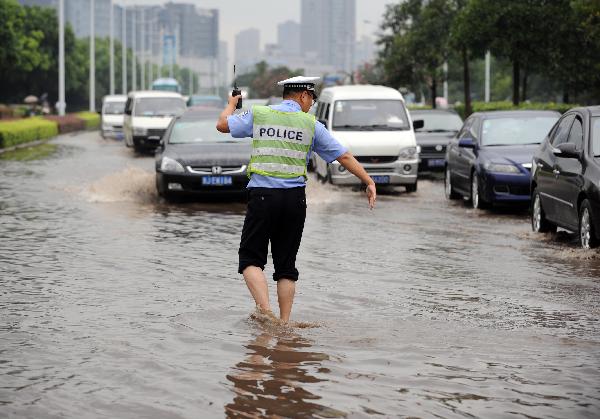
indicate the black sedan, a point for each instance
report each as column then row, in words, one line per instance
column 439, row 126
column 565, row 179
column 195, row 159
column 489, row 160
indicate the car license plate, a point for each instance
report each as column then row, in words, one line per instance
column 216, row 180
column 381, row 179
column 435, row 162
column 154, row 137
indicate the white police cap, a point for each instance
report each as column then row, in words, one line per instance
column 300, row 82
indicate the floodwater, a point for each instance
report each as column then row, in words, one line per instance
column 114, row 304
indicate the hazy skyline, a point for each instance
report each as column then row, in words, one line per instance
column 265, row 15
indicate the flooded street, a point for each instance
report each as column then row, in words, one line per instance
column 116, row 304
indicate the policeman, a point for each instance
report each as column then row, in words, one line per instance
column 283, row 137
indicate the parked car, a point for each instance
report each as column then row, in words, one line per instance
column 195, row 159
column 372, row 122
column 147, row 116
column 209, row 101
column 440, row 125
column 113, row 113
column 565, row 179
column 489, row 160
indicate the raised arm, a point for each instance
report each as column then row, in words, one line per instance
column 349, row 162
column 222, row 125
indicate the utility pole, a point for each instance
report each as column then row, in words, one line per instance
column 446, row 81
column 488, row 59
column 134, row 51
column 92, row 59
column 61, row 105
column 112, row 49
column 143, row 50
column 124, row 51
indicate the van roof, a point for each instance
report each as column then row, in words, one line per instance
column 114, row 98
column 154, row 93
column 362, row 91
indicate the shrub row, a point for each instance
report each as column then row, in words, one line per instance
column 20, row 131
column 508, row 106
column 92, row 119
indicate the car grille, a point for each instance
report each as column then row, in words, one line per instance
column 376, row 159
column 156, row 132
column 430, row 150
column 512, row 190
column 224, row 169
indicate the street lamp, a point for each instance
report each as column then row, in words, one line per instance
column 124, row 50
column 61, row 105
column 92, row 59
column 112, row 49
column 133, row 50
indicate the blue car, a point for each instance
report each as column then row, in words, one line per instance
column 489, row 159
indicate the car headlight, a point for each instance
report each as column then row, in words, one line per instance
column 139, row 131
column 501, row 168
column 169, row 165
column 408, row 153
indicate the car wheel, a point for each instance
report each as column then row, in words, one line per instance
column 448, row 189
column 539, row 223
column 476, row 200
column 587, row 233
column 411, row 188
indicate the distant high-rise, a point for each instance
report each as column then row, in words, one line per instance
column 328, row 32
column 247, row 48
column 196, row 29
column 288, row 36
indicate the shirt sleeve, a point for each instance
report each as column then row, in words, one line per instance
column 327, row 147
column 240, row 125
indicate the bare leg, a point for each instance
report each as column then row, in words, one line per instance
column 257, row 284
column 286, row 288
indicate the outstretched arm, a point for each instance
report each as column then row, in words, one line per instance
column 349, row 162
column 222, row 124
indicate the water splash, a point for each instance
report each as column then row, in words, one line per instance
column 132, row 184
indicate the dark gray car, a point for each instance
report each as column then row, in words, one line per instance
column 195, row 159
column 439, row 128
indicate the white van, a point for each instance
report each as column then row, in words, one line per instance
column 113, row 108
column 147, row 116
column 372, row 122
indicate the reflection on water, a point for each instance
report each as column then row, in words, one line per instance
column 270, row 380
column 115, row 303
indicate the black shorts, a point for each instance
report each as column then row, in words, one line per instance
column 275, row 215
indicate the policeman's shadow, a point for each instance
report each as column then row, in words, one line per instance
column 268, row 382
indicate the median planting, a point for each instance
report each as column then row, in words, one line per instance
column 21, row 131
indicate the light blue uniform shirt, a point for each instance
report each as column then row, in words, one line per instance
column 327, row 147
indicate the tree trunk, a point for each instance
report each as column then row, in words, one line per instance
column 516, row 80
column 467, row 82
column 524, row 88
column 433, row 92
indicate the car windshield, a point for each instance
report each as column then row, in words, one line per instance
column 114, row 108
column 596, row 136
column 438, row 121
column 516, row 130
column 199, row 131
column 159, row 106
column 370, row 115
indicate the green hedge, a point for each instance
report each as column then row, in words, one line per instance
column 508, row 106
column 92, row 119
column 25, row 130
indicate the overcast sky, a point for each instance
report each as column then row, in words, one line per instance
column 265, row 15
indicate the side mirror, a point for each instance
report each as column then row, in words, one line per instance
column 418, row 124
column 567, row 151
column 467, row 142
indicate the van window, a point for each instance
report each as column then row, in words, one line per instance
column 113, row 108
column 159, row 106
column 370, row 114
column 128, row 106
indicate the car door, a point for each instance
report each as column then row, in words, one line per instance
column 454, row 155
column 466, row 156
column 569, row 178
column 547, row 171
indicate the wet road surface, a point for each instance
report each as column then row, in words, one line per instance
column 114, row 304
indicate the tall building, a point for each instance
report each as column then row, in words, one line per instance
column 196, row 30
column 223, row 64
column 288, row 36
column 328, row 32
column 247, row 49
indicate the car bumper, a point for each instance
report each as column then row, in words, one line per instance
column 111, row 131
column 191, row 184
column 499, row 187
column 143, row 142
column 400, row 172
